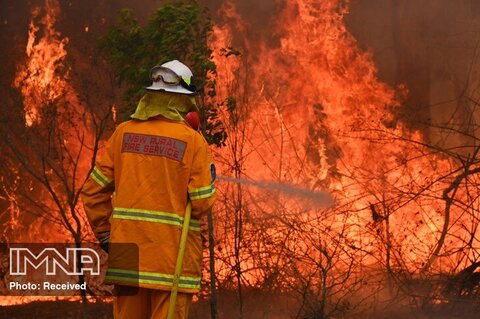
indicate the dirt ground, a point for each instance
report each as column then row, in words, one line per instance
column 261, row 306
column 200, row 310
column 75, row 310
column 57, row 310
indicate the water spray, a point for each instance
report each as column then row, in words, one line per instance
column 322, row 198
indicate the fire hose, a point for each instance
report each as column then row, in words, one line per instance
column 179, row 263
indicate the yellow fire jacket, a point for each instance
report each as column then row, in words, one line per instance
column 138, row 193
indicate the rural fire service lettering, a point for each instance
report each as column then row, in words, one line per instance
column 153, row 145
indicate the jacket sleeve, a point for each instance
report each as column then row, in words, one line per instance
column 97, row 192
column 201, row 187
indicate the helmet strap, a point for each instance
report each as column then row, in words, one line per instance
column 187, row 86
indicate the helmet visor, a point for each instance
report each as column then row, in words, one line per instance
column 164, row 74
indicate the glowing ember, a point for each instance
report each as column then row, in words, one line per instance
column 114, row 113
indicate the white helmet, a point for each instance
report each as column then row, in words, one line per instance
column 173, row 76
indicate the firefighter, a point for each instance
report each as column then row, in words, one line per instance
column 138, row 192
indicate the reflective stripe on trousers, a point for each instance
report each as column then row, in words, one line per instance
column 152, row 278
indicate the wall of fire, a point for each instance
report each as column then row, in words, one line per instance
column 424, row 74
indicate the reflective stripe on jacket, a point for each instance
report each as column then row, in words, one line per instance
column 138, row 193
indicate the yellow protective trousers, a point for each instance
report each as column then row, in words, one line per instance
column 148, row 304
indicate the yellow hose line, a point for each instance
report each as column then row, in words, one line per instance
column 179, row 264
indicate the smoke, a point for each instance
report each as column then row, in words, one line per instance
column 431, row 49
column 320, row 198
column 259, row 17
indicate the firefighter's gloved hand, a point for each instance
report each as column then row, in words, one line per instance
column 104, row 243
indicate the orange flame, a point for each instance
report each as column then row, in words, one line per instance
column 44, row 80
column 315, row 114
column 310, row 111
column 45, row 56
